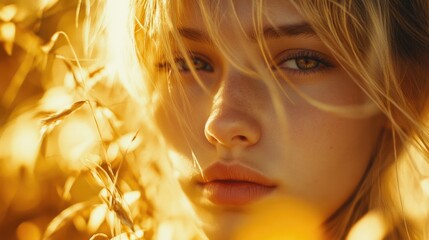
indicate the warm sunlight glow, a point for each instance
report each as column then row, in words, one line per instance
column 281, row 219
column 24, row 144
column 55, row 99
column 425, row 186
column 47, row 3
column 8, row 12
column 7, row 32
column 169, row 120
column 75, row 139
column 117, row 34
column 20, row 142
column 80, row 223
column 412, row 197
column 97, row 217
column 131, row 197
column 165, row 231
column 28, row 231
column 7, row 35
column 128, row 142
column 371, row 227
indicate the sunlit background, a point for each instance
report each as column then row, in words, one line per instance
column 53, row 135
column 65, row 151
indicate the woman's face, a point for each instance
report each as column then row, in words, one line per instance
column 240, row 143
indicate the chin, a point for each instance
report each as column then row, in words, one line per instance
column 222, row 224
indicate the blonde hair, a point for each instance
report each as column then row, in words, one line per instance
column 384, row 47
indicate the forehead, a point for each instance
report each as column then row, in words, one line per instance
column 226, row 12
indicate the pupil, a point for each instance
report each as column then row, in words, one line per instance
column 197, row 63
column 306, row 63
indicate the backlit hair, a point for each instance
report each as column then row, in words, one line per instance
column 384, row 47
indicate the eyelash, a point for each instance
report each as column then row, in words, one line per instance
column 182, row 66
column 322, row 63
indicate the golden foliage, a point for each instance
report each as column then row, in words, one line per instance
column 62, row 149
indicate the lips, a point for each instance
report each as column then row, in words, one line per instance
column 234, row 184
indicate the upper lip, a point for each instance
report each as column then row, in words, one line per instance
column 235, row 173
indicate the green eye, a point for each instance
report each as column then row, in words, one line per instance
column 303, row 61
column 198, row 63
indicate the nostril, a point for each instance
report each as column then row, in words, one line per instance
column 237, row 139
column 241, row 138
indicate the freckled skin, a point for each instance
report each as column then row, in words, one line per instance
column 311, row 154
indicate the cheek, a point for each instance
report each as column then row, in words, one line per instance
column 335, row 88
column 182, row 122
column 327, row 156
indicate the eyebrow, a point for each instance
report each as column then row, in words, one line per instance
column 292, row 30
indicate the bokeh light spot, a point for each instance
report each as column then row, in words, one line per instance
column 281, row 219
column 425, row 186
column 371, row 227
column 28, row 231
column 75, row 138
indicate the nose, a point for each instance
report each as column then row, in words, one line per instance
column 233, row 120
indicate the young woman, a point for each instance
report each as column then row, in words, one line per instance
column 321, row 101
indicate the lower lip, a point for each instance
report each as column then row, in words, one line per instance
column 235, row 192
